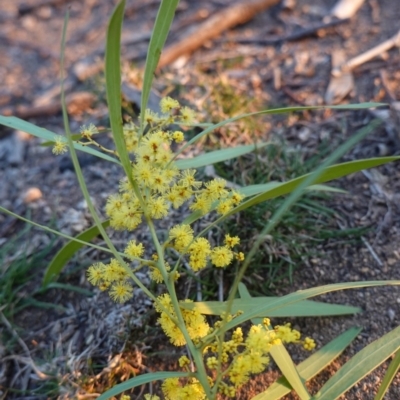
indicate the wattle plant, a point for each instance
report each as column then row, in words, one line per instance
column 155, row 186
column 221, row 355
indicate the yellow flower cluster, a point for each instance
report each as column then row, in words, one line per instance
column 160, row 183
column 116, row 277
column 88, row 131
column 112, row 276
column 160, row 186
column 151, row 397
column 309, row 344
column 241, row 357
column 174, row 389
column 289, row 335
column 60, row 146
column 181, row 238
column 195, row 322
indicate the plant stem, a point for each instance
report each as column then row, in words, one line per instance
column 168, row 279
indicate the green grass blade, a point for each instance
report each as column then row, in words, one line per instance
column 140, row 380
column 113, row 84
column 284, row 110
column 21, row 125
column 214, row 157
column 312, row 365
column 281, row 357
column 303, row 295
column 39, row 304
column 305, row 308
column 389, row 376
column 47, row 229
column 159, row 35
column 360, row 365
column 65, row 286
column 66, row 252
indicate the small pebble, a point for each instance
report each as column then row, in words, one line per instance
column 32, row 194
column 304, row 134
column 391, row 261
column 89, row 339
column 391, row 314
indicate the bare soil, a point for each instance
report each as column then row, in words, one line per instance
column 77, row 341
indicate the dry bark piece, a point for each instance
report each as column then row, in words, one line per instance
column 342, row 81
column 87, row 68
column 77, row 103
column 27, row 8
column 340, row 85
column 288, row 4
column 236, row 14
column 344, row 9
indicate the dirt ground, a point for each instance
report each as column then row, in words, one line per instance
column 70, row 339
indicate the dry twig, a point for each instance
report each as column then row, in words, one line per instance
column 26, row 360
column 234, row 15
column 298, row 34
column 368, row 55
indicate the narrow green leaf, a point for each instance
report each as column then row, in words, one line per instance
column 74, row 138
column 297, row 186
column 330, row 173
column 214, row 157
column 360, row 365
column 194, row 216
column 281, row 356
column 277, row 111
column 113, row 84
column 327, row 174
column 305, row 308
column 312, row 365
column 325, row 188
column 66, row 252
column 140, row 380
column 243, row 292
column 162, row 25
column 21, row 125
column 289, row 370
column 268, row 309
column 253, row 190
column 389, row 376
